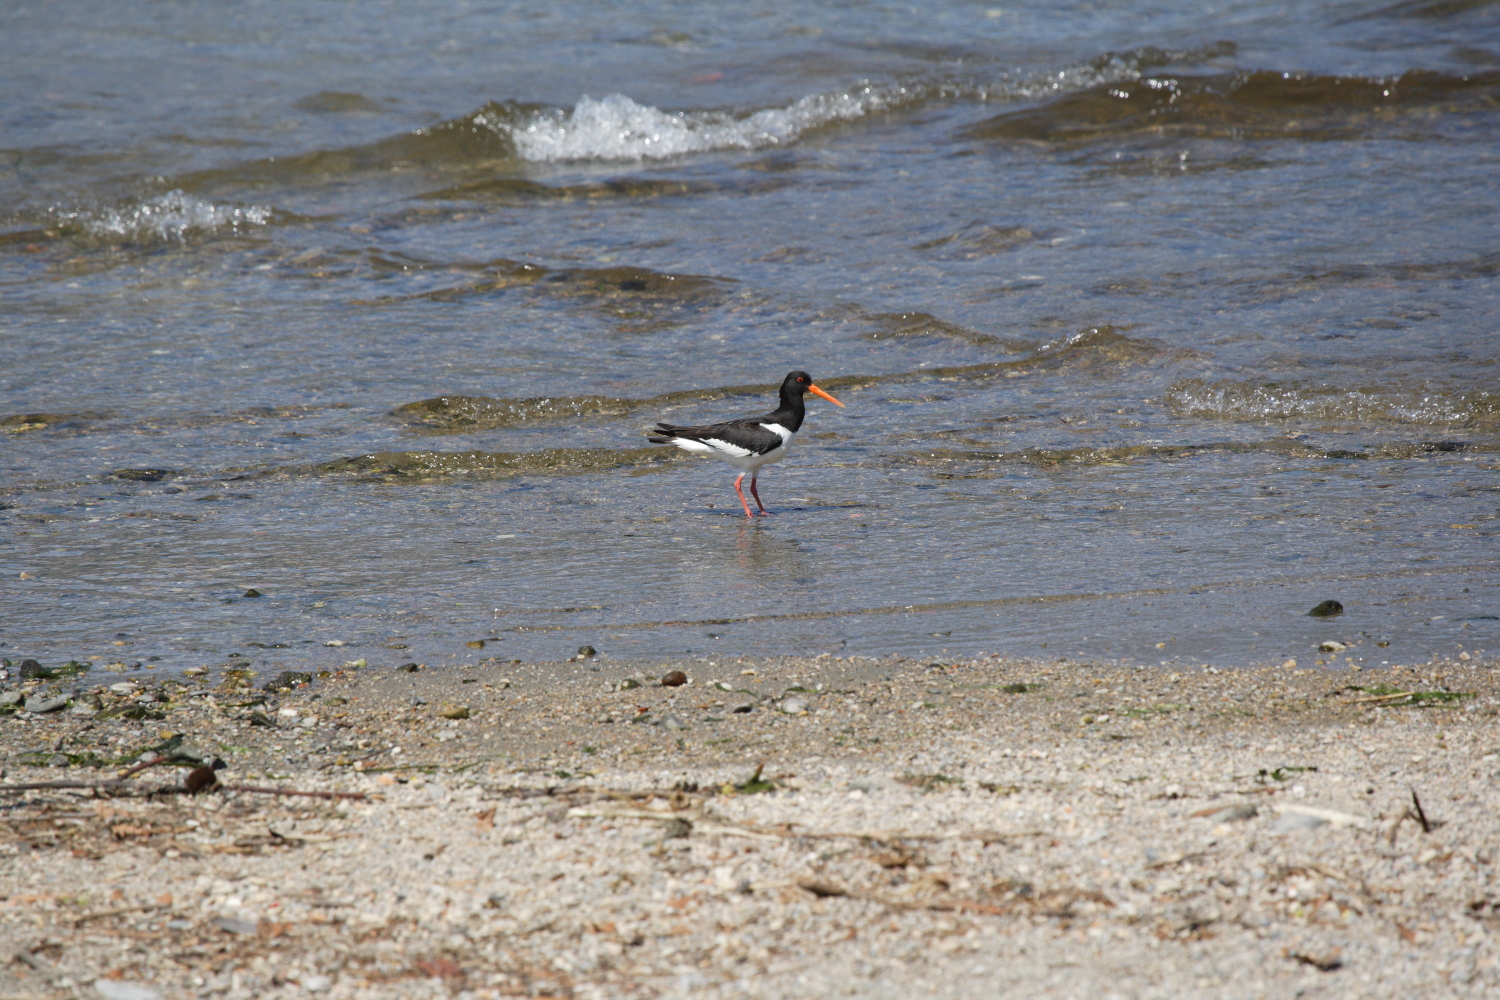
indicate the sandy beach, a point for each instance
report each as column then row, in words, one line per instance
column 771, row 828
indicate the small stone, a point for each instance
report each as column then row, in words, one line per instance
column 11, row 697
column 1464, row 657
column 58, row 760
column 1289, row 664
column 234, row 925
column 124, row 688
column 1230, row 814
column 794, row 706
column 87, row 705
column 335, row 642
column 317, row 984
column 455, row 712
column 672, row 723
column 408, row 668
column 584, row 652
column 358, row 664
column 32, row 669
column 476, row 644
column 40, row 706
column 1327, row 609
column 1292, row 821
column 288, row 680
column 123, row 989
column 744, row 708
column 1332, row 646
column 674, row 679
column 252, row 592
column 628, row 684
column 445, row 735
column 195, row 672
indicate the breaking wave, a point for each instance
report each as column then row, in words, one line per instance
column 617, row 128
column 168, row 218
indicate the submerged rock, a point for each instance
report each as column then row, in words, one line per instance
column 1327, row 609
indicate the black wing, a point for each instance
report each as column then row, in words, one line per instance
column 746, row 433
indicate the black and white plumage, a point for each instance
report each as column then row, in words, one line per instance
column 749, row 442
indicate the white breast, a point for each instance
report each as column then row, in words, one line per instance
column 779, row 431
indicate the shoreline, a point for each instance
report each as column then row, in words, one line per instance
column 1057, row 827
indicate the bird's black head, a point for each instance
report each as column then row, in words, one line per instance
column 797, row 384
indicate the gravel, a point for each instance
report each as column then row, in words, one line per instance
column 954, row 830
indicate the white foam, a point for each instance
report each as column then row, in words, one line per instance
column 618, row 128
column 166, row 218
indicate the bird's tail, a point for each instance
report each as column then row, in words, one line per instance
column 662, row 434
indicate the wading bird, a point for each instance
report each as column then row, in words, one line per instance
column 749, row 442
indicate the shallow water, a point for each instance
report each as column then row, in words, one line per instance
column 1156, row 328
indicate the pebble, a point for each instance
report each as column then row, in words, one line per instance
column 408, row 668
column 1289, row 822
column 234, row 925
column 674, row 679
column 1289, row 664
column 1332, row 646
column 195, row 671
column 124, row 688
column 1231, row 813
column 1327, row 609
column 288, row 680
column 252, row 592
column 38, row 706
column 11, row 697
column 584, row 652
column 628, row 684
column 794, row 706
column 455, row 712
column 31, row 668
column 672, row 723
column 88, row 705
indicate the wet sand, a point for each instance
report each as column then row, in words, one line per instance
column 949, row 829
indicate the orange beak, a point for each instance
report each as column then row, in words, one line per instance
column 819, row 392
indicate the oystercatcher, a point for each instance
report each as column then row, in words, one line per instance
column 750, row 442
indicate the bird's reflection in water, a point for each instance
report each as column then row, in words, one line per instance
column 762, row 557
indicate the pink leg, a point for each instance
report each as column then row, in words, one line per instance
column 745, row 503
column 756, row 493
